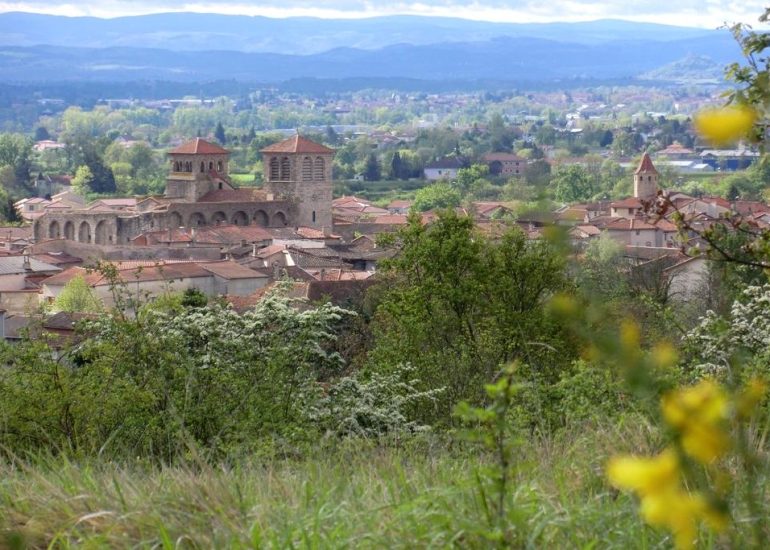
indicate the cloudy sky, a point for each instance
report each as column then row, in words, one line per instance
column 702, row 13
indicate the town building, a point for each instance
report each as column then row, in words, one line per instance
column 297, row 192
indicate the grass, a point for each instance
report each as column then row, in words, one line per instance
column 353, row 496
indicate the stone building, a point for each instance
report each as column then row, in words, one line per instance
column 297, row 192
column 646, row 180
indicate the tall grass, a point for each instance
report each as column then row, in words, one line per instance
column 353, row 496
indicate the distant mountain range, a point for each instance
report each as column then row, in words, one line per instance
column 197, row 47
column 305, row 35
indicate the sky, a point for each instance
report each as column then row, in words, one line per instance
column 690, row 13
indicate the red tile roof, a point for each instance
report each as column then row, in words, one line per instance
column 231, row 270
column 503, row 157
column 297, row 144
column 624, row 224
column 199, row 146
column 645, row 165
column 631, row 202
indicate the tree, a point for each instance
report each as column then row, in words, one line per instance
column 457, row 305
column 41, row 133
column 103, row 180
column 572, row 184
column 473, row 176
column 83, row 180
column 16, row 152
column 372, row 169
column 78, row 297
column 438, row 195
column 396, row 167
column 219, row 134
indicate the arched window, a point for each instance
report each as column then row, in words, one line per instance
column 320, row 169
column 219, row 166
column 274, row 169
column 285, row 169
column 203, row 167
column 211, row 165
column 313, row 216
column 307, row 169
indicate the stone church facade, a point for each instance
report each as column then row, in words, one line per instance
column 297, row 192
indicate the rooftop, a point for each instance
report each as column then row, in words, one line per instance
column 199, row 146
column 646, row 165
column 297, row 144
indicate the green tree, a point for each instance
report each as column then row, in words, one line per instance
column 41, row 133
column 16, row 152
column 78, row 297
column 438, row 195
column 83, row 180
column 219, row 134
column 372, row 169
column 457, row 305
column 396, row 167
column 572, row 184
column 473, row 176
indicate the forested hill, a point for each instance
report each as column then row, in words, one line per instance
column 521, row 60
column 304, row 35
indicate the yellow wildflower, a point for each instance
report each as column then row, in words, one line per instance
column 630, row 337
column 664, row 355
column 699, row 413
column 725, row 125
column 644, row 475
column 750, row 397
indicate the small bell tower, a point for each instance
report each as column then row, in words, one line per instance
column 646, row 180
column 197, row 167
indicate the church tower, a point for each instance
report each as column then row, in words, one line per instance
column 301, row 170
column 646, row 180
column 197, row 167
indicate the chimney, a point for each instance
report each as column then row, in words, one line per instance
column 27, row 265
column 322, row 274
column 254, row 250
column 276, row 270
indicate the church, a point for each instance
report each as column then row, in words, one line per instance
column 297, row 192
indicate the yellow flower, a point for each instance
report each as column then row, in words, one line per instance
column 725, row 125
column 699, row 413
column 679, row 511
column 630, row 336
column 664, row 355
column 644, row 475
column 750, row 397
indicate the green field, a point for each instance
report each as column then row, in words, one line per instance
column 422, row 494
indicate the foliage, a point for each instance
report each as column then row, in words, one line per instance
column 78, row 297
column 572, row 184
column 457, row 305
column 491, row 427
column 742, row 335
column 437, row 195
column 373, row 406
column 161, row 382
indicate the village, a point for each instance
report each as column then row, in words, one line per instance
column 205, row 233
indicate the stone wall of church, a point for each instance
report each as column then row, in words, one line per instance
column 192, row 185
column 310, row 188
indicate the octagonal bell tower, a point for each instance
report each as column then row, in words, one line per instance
column 197, row 167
